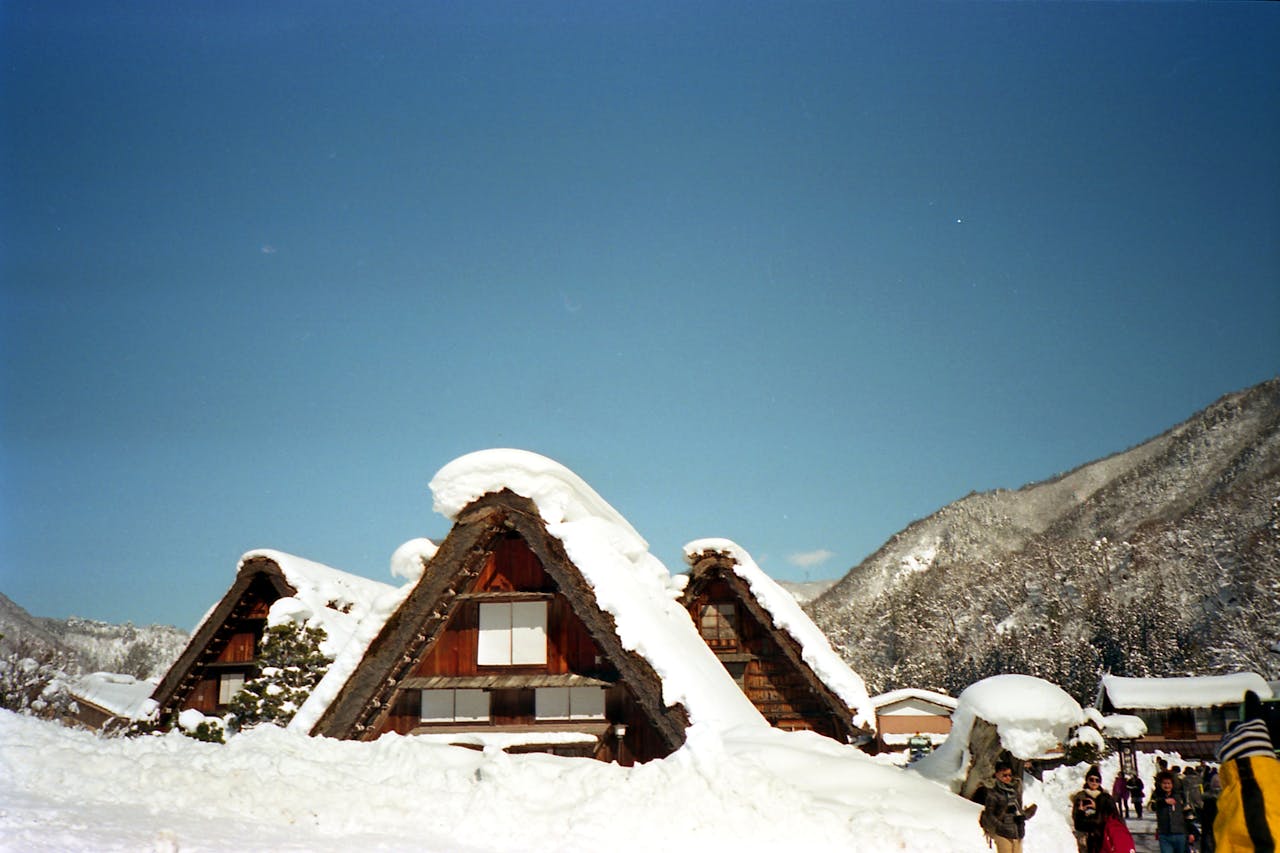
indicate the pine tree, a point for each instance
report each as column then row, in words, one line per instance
column 291, row 666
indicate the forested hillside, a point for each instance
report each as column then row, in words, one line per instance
column 1162, row 560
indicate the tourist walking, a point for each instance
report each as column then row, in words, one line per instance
column 1136, row 792
column 1115, row 835
column 1089, row 808
column 1003, row 818
column 1209, row 812
column 1174, row 829
column 1120, row 794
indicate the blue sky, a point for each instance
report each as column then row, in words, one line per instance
column 794, row 274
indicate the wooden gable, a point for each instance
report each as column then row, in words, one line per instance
column 766, row 662
column 223, row 651
column 438, row 666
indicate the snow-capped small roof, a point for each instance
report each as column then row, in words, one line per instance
column 892, row 696
column 786, row 614
column 123, row 695
column 1123, row 726
column 351, row 610
column 326, row 597
column 628, row 582
column 1206, row 691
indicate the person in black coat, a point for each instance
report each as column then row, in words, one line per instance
column 1136, row 790
column 1003, row 818
column 1089, row 808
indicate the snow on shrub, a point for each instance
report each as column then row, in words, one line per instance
column 291, row 666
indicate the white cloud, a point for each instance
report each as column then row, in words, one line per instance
column 810, row 558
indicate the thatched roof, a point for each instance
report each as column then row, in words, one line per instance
column 319, row 595
column 184, row 670
column 839, row 688
column 364, row 701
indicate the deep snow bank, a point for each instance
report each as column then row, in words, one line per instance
column 280, row 790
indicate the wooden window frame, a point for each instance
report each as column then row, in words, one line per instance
column 580, row 703
column 718, row 624
column 229, row 684
column 512, row 633
column 471, row 699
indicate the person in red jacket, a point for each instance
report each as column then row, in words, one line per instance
column 1115, row 835
column 1120, row 794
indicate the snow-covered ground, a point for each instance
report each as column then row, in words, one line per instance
column 273, row 789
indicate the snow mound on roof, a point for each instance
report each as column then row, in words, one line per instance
column 1192, row 692
column 411, row 558
column 629, row 583
column 1032, row 717
column 122, row 695
column 1116, row 725
column 816, row 650
column 560, row 494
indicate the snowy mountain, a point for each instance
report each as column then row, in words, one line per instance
column 1161, row 560
column 90, row 646
column 806, row 591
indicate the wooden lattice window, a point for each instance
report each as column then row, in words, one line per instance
column 718, row 623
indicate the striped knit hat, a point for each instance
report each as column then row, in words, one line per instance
column 1247, row 739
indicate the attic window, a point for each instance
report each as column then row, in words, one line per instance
column 718, row 623
column 512, row 633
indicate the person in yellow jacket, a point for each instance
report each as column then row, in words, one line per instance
column 1248, row 819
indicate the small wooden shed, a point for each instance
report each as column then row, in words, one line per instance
column 773, row 651
column 110, row 701
column 504, row 642
column 911, row 712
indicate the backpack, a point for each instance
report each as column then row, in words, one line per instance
column 1116, row 837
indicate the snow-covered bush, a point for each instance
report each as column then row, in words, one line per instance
column 291, row 666
column 197, row 726
column 1087, row 745
column 34, row 681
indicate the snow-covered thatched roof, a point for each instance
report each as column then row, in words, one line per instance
column 344, row 605
column 623, row 594
column 325, row 597
column 787, row 616
column 628, row 582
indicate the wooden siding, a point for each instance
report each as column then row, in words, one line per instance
column 909, row 724
column 782, row 693
column 232, row 648
column 513, row 569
